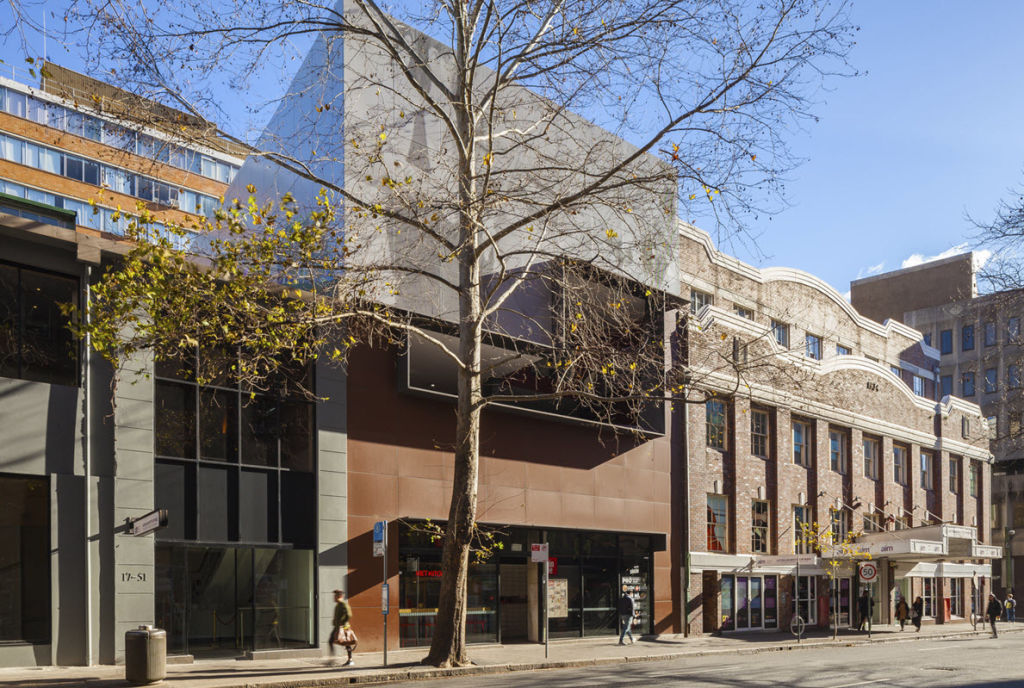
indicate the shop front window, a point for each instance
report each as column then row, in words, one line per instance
column 807, row 599
column 228, row 600
column 24, row 559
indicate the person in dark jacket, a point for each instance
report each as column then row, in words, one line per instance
column 902, row 611
column 626, row 610
column 341, row 623
column 916, row 612
column 995, row 609
column 865, row 606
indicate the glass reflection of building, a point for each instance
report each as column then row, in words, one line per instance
column 596, row 566
column 235, row 566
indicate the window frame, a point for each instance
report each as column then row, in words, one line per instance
column 799, row 545
column 967, row 338
column 839, row 461
column 990, row 333
column 946, row 385
column 974, row 489
column 780, row 331
column 716, row 431
column 699, row 299
column 991, row 380
column 805, row 445
column 760, row 541
column 954, row 474
column 812, row 346
column 724, row 526
column 927, row 463
column 871, row 466
column 763, row 437
column 843, row 350
column 900, row 461
column 946, row 342
column 967, row 386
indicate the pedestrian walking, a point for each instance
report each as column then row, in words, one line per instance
column 626, row 610
column 1011, row 607
column 902, row 611
column 343, row 634
column 993, row 612
column 865, row 607
column 916, row 612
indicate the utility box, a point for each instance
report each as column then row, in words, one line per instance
column 145, row 655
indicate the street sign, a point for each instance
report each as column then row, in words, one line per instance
column 868, row 572
column 380, row 538
column 539, row 552
column 385, row 598
column 143, row 525
column 552, row 566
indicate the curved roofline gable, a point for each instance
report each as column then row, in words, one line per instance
column 841, row 363
column 784, row 274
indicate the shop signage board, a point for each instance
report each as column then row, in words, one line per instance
column 539, row 552
column 558, row 598
column 552, row 566
column 868, row 572
column 144, row 525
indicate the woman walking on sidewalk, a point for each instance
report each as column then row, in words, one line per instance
column 994, row 611
column 902, row 612
column 916, row 612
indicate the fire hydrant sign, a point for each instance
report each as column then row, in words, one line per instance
column 868, row 573
column 539, row 552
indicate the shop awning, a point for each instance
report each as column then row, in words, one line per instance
column 927, row 543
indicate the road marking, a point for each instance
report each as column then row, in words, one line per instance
column 707, row 669
column 861, row 683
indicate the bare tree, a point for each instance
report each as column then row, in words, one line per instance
column 444, row 189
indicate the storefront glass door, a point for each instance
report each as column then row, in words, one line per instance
column 841, row 588
column 754, row 600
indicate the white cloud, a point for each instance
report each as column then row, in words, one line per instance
column 980, row 258
column 919, row 258
column 846, row 295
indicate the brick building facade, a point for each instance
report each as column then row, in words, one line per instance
column 814, row 418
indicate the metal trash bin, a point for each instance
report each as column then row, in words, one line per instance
column 145, row 655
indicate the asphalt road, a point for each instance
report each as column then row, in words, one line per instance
column 955, row 662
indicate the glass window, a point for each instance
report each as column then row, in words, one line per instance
column 11, row 149
column 718, row 523
column 24, row 559
column 974, row 486
column 74, row 167
column 991, row 380
column 899, row 464
column 927, row 470
column 807, row 599
column 759, row 526
column 842, row 350
column 946, row 383
column 176, row 494
column 1013, row 376
column 946, row 342
column 1013, row 329
column 218, row 425
column 699, row 299
column 967, row 384
column 918, row 384
column 990, row 334
column 174, row 428
column 928, row 338
column 813, row 346
column 840, row 525
column 871, row 453
column 16, row 103
column 801, row 443
column 781, row 333
column 35, row 342
column 967, row 338
column 954, row 474
column 91, row 173
column 759, row 433
column 802, row 542
column 715, row 423
column 838, row 450
column 744, row 312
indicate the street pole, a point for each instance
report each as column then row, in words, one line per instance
column 547, row 610
column 387, row 596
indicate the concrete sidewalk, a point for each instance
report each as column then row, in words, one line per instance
column 404, row 664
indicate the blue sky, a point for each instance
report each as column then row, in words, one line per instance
column 930, row 131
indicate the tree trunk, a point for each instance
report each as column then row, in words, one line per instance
column 448, row 645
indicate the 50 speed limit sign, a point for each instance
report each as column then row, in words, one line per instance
column 868, row 573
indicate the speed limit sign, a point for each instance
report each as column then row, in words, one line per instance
column 868, row 573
